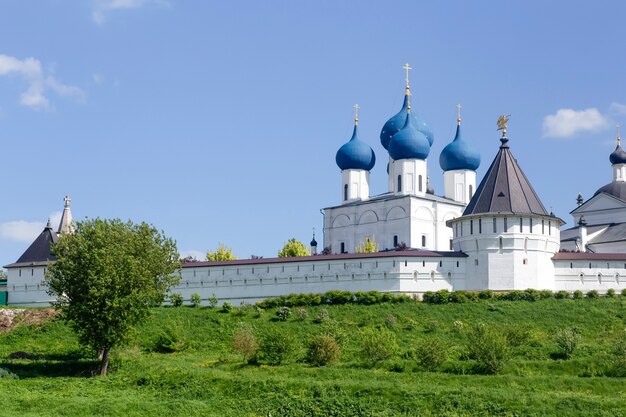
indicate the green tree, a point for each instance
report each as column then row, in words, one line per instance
column 107, row 276
column 367, row 246
column 293, row 248
column 222, row 253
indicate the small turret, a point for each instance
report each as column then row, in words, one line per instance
column 66, row 225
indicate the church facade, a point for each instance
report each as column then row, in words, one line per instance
column 495, row 236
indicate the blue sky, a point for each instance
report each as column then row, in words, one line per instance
column 218, row 122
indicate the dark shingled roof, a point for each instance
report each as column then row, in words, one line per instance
column 39, row 251
column 505, row 189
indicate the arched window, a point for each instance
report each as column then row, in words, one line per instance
column 345, row 192
column 399, row 183
column 423, row 241
column 419, row 183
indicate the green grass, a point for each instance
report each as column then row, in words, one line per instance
column 206, row 378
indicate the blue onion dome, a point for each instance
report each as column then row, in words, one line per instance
column 459, row 154
column 355, row 154
column 409, row 142
column 396, row 123
column 618, row 156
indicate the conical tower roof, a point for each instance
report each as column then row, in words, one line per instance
column 38, row 253
column 66, row 224
column 505, row 188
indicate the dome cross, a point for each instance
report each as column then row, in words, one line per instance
column 618, row 126
column 458, row 110
column 407, row 67
column 356, row 114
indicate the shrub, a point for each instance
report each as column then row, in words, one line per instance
column 226, row 307
column 390, row 321
column 514, row 295
column 283, row 313
column 489, row 348
column 212, row 301
column 562, row 295
column 431, row 354
column 485, row 294
column 593, row 294
column 618, row 365
column 245, row 343
column 5, row 373
column 545, row 294
column 439, row 297
column 530, row 294
column 566, row 340
column 195, row 299
column 517, row 335
column 458, row 297
column 624, row 292
column 322, row 350
column 168, row 340
column 610, row 293
column 321, row 316
column 302, row 313
column 409, row 324
column 458, row 326
column 176, row 299
column 431, row 326
column 277, row 346
column 577, row 295
column 378, row 345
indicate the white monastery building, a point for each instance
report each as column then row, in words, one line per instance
column 495, row 236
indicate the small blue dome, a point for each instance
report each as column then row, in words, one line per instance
column 459, row 154
column 396, row 123
column 355, row 154
column 618, row 156
column 409, row 142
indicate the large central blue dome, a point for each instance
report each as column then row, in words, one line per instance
column 459, row 154
column 396, row 123
column 409, row 142
column 355, row 154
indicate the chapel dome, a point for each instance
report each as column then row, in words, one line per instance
column 615, row 188
column 396, row 123
column 355, row 154
column 459, row 154
column 409, row 142
column 618, row 156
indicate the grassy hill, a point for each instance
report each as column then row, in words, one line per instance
column 201, row 375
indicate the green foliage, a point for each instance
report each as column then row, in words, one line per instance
column 212, row 301
column 6, row 374
column 322, row 350
column 623, row 292
column 561, row 295
column 610, row 293
column 378, row 345
column 566, row 341
column 577, row 295
column 176, row 299
column 488, row 347
column 321, row 316
column 367, row 246
column 302, row 314
column 107, row 276
column 277, row 346
column 431, row 326
column 195, row 299
column 334, row 297
column 486, row 295
column 283, row 313
column 439, row 297
column 517, row 335
column 222, row 253
column 168, row 340
column 244, row 342
column 431, row 354
column 390, row 321
column 226, row 307
column 293, row 248
column 593, row 294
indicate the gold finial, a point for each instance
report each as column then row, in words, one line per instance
column 502, row 124
column 408, row 101
column 356, row 114
column 458, row 110
column 407, row 67
column 618, row 138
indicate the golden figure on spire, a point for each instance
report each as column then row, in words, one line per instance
column 356, row 114
column 458, row 117
column 502, row 123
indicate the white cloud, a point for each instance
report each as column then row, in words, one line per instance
column 23, row 231
column 102, row 7
column 617, row 109
column 568, row 122
column 39, row 83
column 196, row 254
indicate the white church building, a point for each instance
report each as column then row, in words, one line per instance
column 495, row 236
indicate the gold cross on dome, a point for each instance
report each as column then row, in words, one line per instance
column 356, row 114
column 407, row 67
column 458, row 111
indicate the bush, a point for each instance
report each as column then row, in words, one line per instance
column 5, row 373
column 458, row 326
column 577, row 295
column 489, row 348
column 322, row 350
column 334, row 329
column 545, row 294
column 176, row 299
column 168, row 340
column 593, row 294
column 431, row 354
column 212, row 301
column 618, row 365
column 485, row 295
column 624, row 292
column 562, row 295
column 302, row 314
column 514, row 295
column 517, row 335
column 610, row 293
column 390, row 321
column 439, row 297
column 566, row 340
column 277, row 346
column 458, row 297
column 321, row 316
column 195, row 299
column 378, row 345
column 431, row 326
column 530, row 294
column 226, row 307
column 245, row 343
column 283, row 313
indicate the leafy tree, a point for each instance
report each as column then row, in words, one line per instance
column 293, row 248
column 107, row 276
column 222, row 253
column 367, row 246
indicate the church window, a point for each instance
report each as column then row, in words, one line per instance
column 369, row 275
column 245, row 282
column 283, row 269
column 290, row 279
column 461, row 228
column 406, row 263
column 451, row 247
column 423, row 263
column 385, row 275
column 253, row 270
column 353, row 277
column 521, row 225
column 457, row 264
column 471, row 227
column 343, row 247
column 20, row 273
column 399, row 183
column 531, row 225
column 543, row 227
column 506, row 225
column 230, row 282
column 524, row 261
column 449, row 275
column 275, row 280
column 337, row 277
column 582, row 278
column 589, row 265
column 268, row 269
column 345, row 266
column 599, row 278
column 237, row 271
column 500, row 243
column 495, row 229
column 313, row 267
column 617, row 278
column 423, row 241
column 394, row 264
column 607, row 265
column 419, row 182
column 194, row 273
column 571, row 265
column 345, row 192
column 471, row 192
column 395, row 241
column 440, row 264
column 376, row 264
column 32, row 272
column 480, row 225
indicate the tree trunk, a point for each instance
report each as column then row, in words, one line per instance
column 104, row 366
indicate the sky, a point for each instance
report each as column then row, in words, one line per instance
column 218, row 122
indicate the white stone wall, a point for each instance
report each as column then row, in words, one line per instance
column 586, row 275
column 412, row 173
column 354, row 185
column 25, row 286
column 459, row 185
